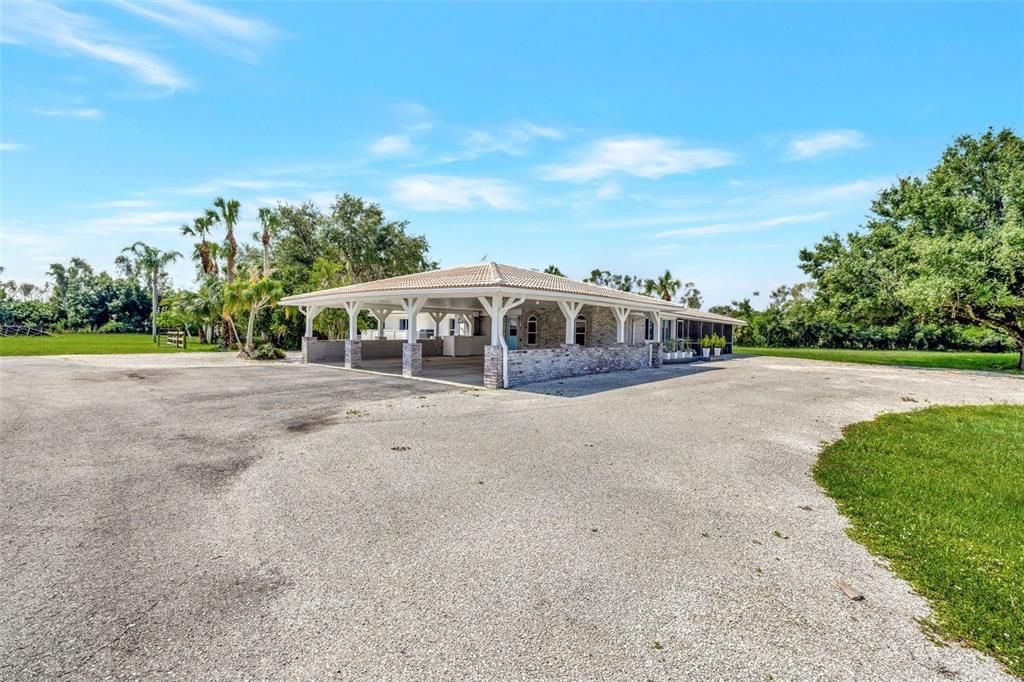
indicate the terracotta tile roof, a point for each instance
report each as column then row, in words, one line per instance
column 493, row 275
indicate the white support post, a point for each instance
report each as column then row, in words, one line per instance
column 496, row 308
column 311, row 312
column 438, row 318
column 656, row 319
column 570, row 310
column 469, row 323
column 412, row 308
column 621, row 315
column 353, row 308
column 382, row 314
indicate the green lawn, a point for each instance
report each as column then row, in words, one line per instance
column 998, row 362
column 81, row 344
column 940, row 493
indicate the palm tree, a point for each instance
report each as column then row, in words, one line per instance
column 150, row 262
column 227, row 213
column 200, row 228
column 253, row 294
column 665, row 286
column 270, row 222
column 554, row 270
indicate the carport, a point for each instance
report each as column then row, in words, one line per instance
column 518, row 326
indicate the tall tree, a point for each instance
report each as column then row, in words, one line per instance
column 664, row 287
column 949, row 246
column 271, row 222
column 200, row 228
column 604, row 278
column 150, row 263
column 691, row 296
column 554, row 270
column 227, row 212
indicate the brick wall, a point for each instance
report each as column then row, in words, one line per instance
column 543, row 364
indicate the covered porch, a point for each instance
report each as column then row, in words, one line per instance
column 516, row 326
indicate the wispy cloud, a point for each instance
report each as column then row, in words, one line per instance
column 645, row 157
column 138, row 222
column 392, row 145
column 42, row 24
column 452, row 193
column 242, row 36
column 814, row 144
column 515, row 139
column 221, row 185
column 743, row 226
column 70, row 113
column 12, row 146
column 126, row 203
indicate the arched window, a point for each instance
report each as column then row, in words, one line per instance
column 531, row 330
column 581, row 331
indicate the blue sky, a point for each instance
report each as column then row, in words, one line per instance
column 715, row 140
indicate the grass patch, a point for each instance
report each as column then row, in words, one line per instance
column 992, row 362
column 940, row 493
column 83, row 344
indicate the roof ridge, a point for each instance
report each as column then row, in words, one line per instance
column 496, row 273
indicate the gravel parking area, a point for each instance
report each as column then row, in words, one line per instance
column 203, row 518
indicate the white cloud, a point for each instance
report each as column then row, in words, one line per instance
column 743, row 226
column 645, row 157
column 137, row 222
column 70, row 113
column 514, row 140
column 42, row 23
column 12, row 146
column 392, row 145
column 814, row 144
column 216, row 28
column 126, row 203
column 221, row 185
column 451, row 193
column 609, row 190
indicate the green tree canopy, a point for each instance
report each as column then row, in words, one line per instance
column 946, row 247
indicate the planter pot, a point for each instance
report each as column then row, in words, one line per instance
column 706, row 352
column 718, row 352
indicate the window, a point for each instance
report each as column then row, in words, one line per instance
column 513, row 326
column 666, row 329
column 403, row 324
column 648, row 329
column 451, row 327
column 531, row 330
column 581, row 331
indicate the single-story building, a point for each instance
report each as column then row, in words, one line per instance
column 512, row 325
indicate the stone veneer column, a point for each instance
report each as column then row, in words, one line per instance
column 655, row 354
column 493, row 367
column 353, row 354
column 412, row 359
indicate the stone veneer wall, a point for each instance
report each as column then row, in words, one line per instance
column 493, row 366
column 318, row 350
column 412, row 359
column 353, row 354
column 543, row 364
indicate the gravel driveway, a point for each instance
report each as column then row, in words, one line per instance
column 197, row 517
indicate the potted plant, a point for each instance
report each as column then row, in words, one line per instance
column 670, row 350
column 718, row 343
column 705, row 346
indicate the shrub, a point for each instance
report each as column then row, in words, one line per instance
column 115, row 327
column 267, row 351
